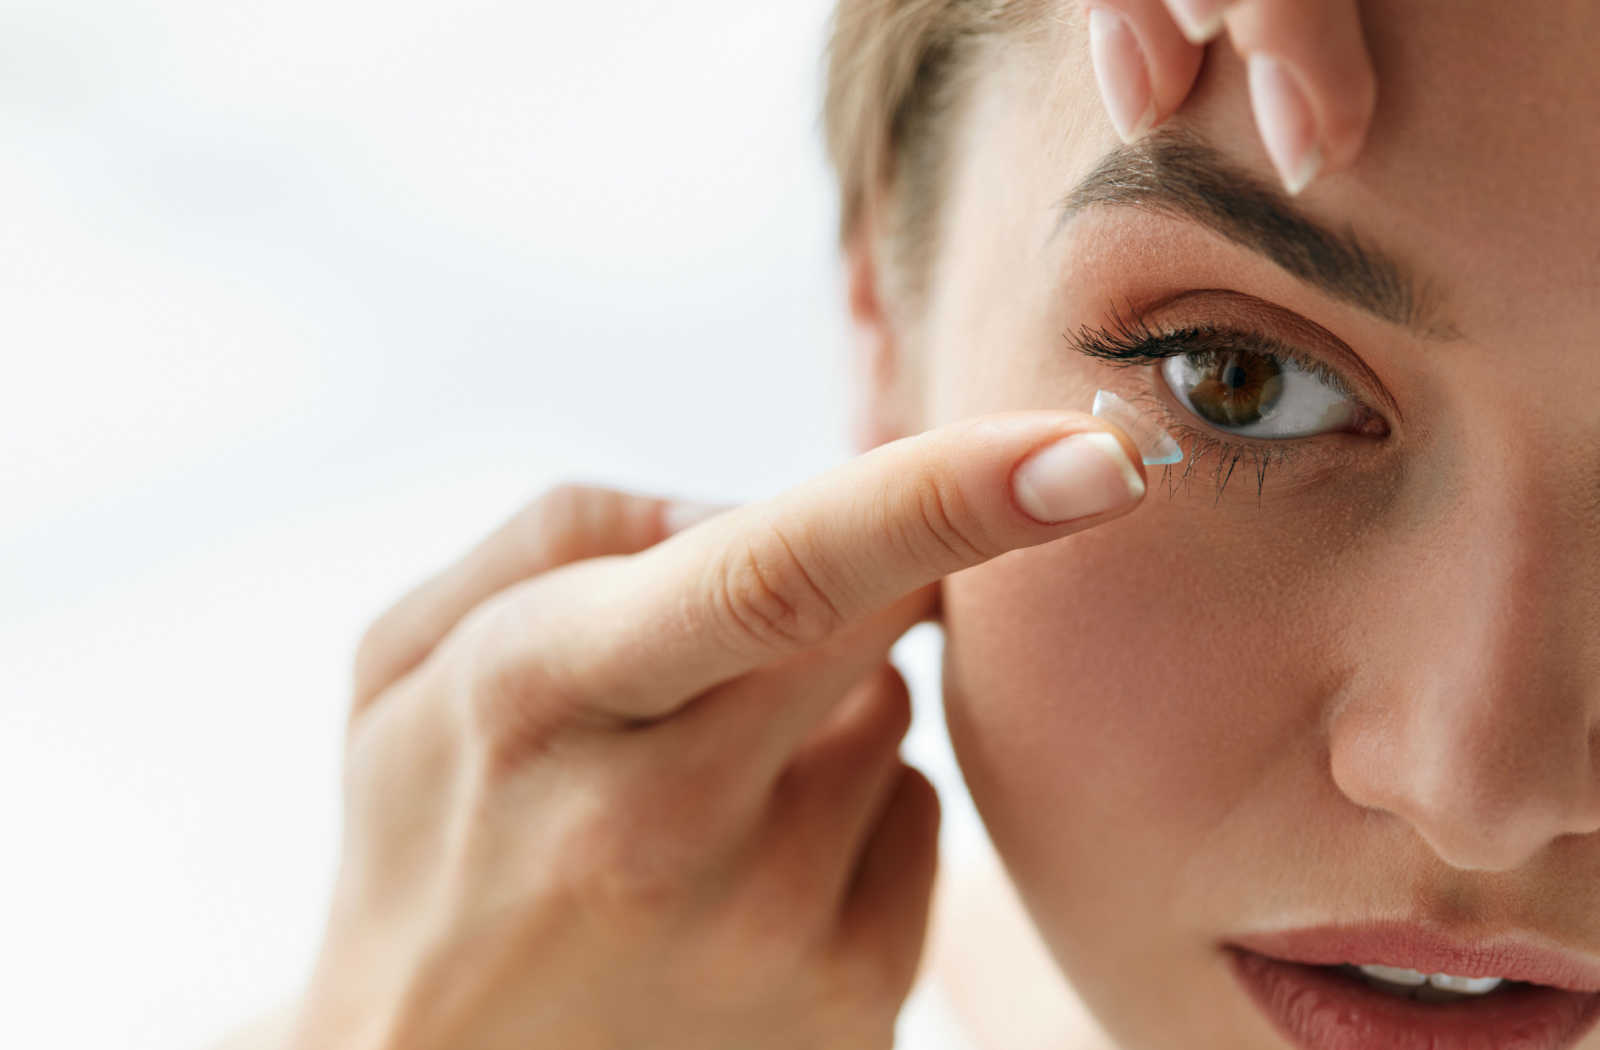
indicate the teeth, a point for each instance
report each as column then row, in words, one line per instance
column 1395, row 975
column 1467, row 985
column 1443, row 981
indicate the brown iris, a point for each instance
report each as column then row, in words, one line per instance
column 1232, row 388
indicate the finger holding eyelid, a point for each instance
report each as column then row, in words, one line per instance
column 1200, row 20
column 1142, row 63
column 1312, row 84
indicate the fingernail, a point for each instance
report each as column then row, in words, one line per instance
column 1123, row 76
column 1199, row 20
column 681, row 514
column 1288, row 128
column 1083, row 474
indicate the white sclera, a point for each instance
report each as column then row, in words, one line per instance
column 1155, row 444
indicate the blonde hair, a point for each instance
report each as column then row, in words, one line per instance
column 897, row 74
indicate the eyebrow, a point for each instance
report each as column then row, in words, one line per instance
column 1174, row 172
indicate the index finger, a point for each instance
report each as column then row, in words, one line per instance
column 637, row 636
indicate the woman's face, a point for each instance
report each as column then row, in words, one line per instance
column 1364, row 684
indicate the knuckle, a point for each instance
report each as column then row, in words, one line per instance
column 484, row 631
column 508, row 699
column 558, row 511
column 388, row 646
column 372, row 657
column 886, row 716
column 768, row 594
column 944, row 527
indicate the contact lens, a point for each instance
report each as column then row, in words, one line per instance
column 1155, row 445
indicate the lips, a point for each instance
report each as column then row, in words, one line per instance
column 1299, row 979
column 1318, row 1008
column 1429, row 950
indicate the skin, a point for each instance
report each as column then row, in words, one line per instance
column 1375, row 693
column 1312, row 94
column 1432, row 724
column 611, row 781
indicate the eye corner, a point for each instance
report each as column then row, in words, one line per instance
column 1372, row 426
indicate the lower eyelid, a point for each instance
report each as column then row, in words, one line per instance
column 1217, row 463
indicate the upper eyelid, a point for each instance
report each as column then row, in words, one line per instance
column 1129, row 333
column 1130, row 346
column 1258, row 318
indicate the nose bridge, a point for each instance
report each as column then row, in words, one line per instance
column 1479, row 723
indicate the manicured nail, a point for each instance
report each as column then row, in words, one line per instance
column 1199, row 20
column 681, row 514
column 1083, row 474
column 1288, row 128
column 1122, row 73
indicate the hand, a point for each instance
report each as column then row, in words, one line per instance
column 607, row 788
column 1311, row 80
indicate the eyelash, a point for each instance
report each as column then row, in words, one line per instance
column 1130, row 342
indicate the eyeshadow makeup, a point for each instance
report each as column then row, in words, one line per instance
column 1155, row 444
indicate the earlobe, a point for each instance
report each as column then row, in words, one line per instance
column 877, row 415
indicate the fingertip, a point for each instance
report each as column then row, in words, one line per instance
column 1349, row 121
column 1135, row 454
column 1312, row 83
column 1122, row 72
column 1175, row 60
column 1198, row 20
column 1285, row 114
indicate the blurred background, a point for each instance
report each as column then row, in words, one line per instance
column 299, row 300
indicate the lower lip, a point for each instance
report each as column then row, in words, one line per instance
column 1318, row 1008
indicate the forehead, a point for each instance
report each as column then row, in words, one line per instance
column 1485, row 149
column 1481, row 170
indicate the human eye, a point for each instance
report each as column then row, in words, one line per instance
column 1235, row 391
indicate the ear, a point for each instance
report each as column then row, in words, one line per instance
column 881, row 382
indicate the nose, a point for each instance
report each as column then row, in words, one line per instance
column 1476, row 717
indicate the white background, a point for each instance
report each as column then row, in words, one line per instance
column 298, row 300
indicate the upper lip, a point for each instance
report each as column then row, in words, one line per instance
column 1430, row 949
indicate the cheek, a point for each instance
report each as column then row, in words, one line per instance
column 1110, row 702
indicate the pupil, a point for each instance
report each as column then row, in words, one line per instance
column 1234, row 376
